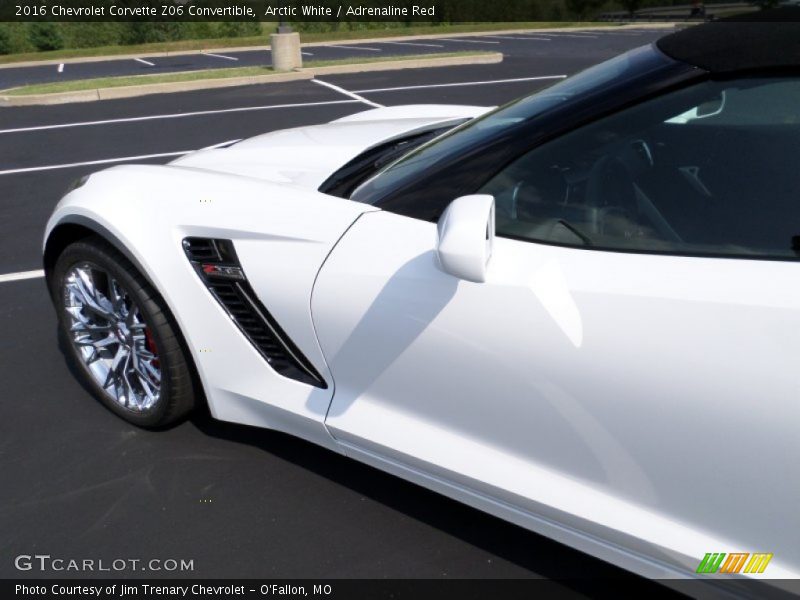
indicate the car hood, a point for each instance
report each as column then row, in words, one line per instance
column 306, row 156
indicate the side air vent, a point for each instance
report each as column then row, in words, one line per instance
column 204, row 249
column 218, row 266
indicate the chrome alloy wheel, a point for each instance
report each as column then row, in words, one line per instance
column 108, row 331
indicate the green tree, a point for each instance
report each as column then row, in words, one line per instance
column 631, row 5
column 582, row 9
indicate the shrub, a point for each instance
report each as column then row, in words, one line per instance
column 46, row 36
column 238, row 29
column 315, row 26
column 90, row 35
column 17, row 35
column 136, row 32
column 200, row 30
column 5, row 41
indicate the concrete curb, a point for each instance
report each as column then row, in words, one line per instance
column 204, row 84
column 490, row 58
column 265, row 47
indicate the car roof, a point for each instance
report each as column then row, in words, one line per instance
column 762, row 40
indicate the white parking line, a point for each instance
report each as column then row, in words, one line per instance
column 611, row 32
column 538, row 37
column 510, row 37
column 145, row 62
column 466, row 41
column 201, row 113
column 414, row 44
column 358, row 48
column 220, row 56
column 61, row 68
column 462, row 83
column 198, row 113
column 21, row 275
column 221, row 144
column 573, row 35
column 347, row 93
column 306, row 54
column 104, row 161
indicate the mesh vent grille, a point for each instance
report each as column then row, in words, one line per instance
column 250, row 316
column 201, row 250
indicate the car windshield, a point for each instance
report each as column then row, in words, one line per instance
column 590, row 81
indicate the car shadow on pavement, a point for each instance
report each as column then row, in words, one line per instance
column 544, row 558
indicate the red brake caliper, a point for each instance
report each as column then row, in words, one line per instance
column 151, row 345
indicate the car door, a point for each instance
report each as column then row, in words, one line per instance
column 628, row 370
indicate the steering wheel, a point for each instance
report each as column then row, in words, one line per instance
column 512, row 209
column 517, row 194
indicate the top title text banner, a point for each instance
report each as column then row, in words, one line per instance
column 271, row 10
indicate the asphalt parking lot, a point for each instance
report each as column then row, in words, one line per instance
column 565, row 44
column 240, row 502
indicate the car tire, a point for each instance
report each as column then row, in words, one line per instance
column 120, row 335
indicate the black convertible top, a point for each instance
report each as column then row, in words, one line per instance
column 768, row 39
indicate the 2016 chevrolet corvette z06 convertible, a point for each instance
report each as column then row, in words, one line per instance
column 578, row 312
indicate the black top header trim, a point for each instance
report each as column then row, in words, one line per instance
column 764, row 40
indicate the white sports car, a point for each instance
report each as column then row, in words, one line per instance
column 578, row 312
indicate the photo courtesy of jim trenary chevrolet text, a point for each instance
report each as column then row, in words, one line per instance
column 399, row 299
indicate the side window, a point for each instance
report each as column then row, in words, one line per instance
column 711, row 169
